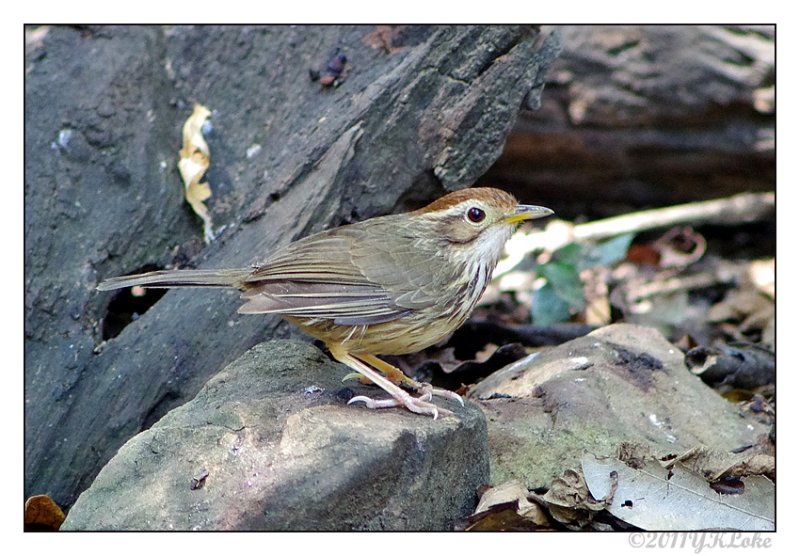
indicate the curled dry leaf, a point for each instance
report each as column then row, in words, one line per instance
column 194, row 161
column 745, row 366
column 570, row 502
column 679, row 247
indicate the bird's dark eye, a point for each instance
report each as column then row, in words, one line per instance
column 475, row 215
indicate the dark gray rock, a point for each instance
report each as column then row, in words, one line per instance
column 104, row 110
column 620, row 384
column 280, row 450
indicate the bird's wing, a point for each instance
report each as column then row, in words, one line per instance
column 337, row 275
column 412, row 270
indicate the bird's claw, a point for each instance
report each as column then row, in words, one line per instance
column 428, row 391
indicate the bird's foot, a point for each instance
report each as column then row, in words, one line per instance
column 419, row 405
column 425, row 389
column 370, row 369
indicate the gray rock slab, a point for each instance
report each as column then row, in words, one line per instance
column 281, row 450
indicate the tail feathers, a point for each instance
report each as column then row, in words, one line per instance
column 179, row 279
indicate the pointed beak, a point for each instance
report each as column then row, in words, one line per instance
column 527, row 212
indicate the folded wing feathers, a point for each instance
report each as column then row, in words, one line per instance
column 320, row 278
column 350, row 305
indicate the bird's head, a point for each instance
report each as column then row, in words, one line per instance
column 476, row 222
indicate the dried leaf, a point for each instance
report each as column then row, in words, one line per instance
column 451, row 373
column 194, row 161
column 746, row 366
column 570, row 502
column 738, row 305
column 714, row 465
column 680, row 247
column 752, row 310
column 385, row 36
column 677, row 499
column 42, row 514
column 506, row 507
column 510, row 491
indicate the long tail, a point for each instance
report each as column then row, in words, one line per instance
column 179, row 279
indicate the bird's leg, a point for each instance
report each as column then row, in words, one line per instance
column 400, row 398
column 399, row 377
column 390, row 371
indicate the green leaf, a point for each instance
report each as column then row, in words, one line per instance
column 607, row 253
column 563, row 292
column 548, row 307
column 565, row 280
column 570, row 254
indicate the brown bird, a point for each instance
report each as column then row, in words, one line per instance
column 390, row 285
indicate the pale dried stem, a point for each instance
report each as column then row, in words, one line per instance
column 738, row 209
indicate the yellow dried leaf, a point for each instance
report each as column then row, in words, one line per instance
column 198, row 193
column 194, row 161
column 193, row 132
